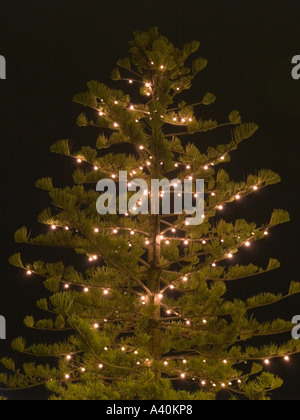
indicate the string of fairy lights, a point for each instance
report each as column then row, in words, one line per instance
column 168, row 236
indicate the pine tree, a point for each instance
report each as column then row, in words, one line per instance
column 149, row 319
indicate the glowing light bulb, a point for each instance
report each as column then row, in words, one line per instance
column 166, row 363
column 131, row 107
column 53, row 227
column 186, row 242
column 67, row 377
column 68, row 357
column 176, row 165
column 187, row 223
column 190, row 119
column 130, row 81
column 267, row 362
column 169, row 312
column 105, row 292
column 184, row 362
column 28, row 272
column 188, row 167
column 213, row 194
column 286, row 358
column 116, row 102
column 182, row 375
column 247, row 243
column 162, row 67
column 79, row 161
column 142, row 148
column 167, row 242
column 220, row 207
column 85, row 290
column 160, row 296
column 223, row 385
column 100, row 366
column 255, row 187
column 116, row 124
column 123, row 349
column 185, row 278
column 183, row 120
column 96, row 326
column 203, row 242
column 214, row 265
column 205, row 167
column 136, row 352
column 203, row 383
column 204, row 321
column 132, row 233
column 172, row 287
column 96, row 230
column 225, row 362
column 115, row 231
column 96, row 168
column 222, row 157
column 67, row 286
column 266, row 233
column 82, row 370
column 147, row 242
column 188, row 322
column 237, row 197
column 173, row 230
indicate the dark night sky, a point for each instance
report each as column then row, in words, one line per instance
column 54, row 47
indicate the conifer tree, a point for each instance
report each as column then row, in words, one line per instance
column 149, row 318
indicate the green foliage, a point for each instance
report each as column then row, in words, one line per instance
column 21, row 236
column 44, row 184
column 235, row 117
column 113, row 336
column 62, row 147
column 16, row 260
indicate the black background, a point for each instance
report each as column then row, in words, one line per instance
column 54, row 47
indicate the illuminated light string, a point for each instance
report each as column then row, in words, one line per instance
column 53, row 227
column 182, row 375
